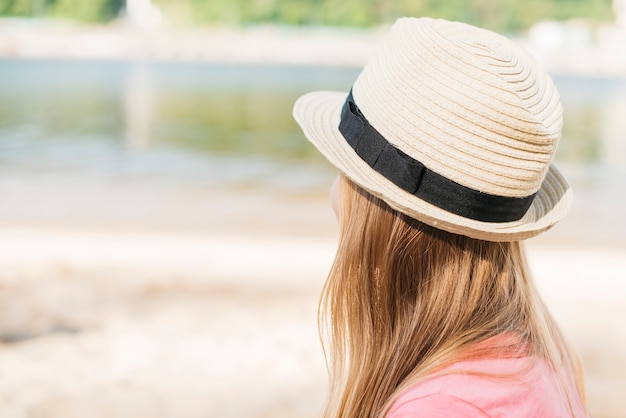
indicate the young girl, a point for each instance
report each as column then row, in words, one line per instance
column 444, row 145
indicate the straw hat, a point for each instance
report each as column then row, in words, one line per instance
column 450, row 124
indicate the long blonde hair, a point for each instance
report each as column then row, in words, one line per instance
column 403, row 300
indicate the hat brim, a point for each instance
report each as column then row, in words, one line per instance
column 318, row 114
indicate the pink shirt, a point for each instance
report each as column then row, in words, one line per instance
column 533, row 394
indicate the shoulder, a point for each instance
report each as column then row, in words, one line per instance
column 448, row 395
column 435, row 405
column 495, row 388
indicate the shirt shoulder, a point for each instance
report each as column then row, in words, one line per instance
column 436, row 405
column 494, row 388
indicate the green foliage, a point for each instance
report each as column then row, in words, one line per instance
column 16, row 7
column 502, row 15
column 89, row 11
column 83, row 10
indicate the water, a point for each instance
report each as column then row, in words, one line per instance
column 123, row 118
column 223, row 126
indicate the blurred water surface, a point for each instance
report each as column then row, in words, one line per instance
column 219, row 123
column 96, row 114
column 230, row 126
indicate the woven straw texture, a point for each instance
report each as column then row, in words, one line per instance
column 467, row 103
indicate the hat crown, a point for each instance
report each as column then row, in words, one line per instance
column 467, row 103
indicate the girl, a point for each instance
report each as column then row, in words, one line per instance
column 444, row 145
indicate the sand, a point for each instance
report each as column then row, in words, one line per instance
column 158, row 325
column 133, row 298
column 121, row 322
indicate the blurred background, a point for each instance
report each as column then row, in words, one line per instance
column 164, row 226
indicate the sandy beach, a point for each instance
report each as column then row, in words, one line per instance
column 182, row 326
column 100, row 319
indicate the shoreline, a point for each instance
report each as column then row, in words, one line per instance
column 266, row 44
column 569, row 48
